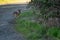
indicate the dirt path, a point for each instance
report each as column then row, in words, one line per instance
column 6, row 30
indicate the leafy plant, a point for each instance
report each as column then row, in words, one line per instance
column 54, row 32
column 48, row 8
column 34, row 31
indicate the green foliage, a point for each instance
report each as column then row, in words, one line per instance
column 27, row 13
column 47, row 7
column 34, row 31
column 31, row 30
column 54, row 31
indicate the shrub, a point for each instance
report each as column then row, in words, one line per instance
column 54, row 32
column 48, row 8
column 35, row 31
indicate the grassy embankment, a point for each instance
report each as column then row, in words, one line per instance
column 34, row 31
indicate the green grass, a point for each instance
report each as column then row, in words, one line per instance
column 27, row 14
column 54, row 31
column 32, row 30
